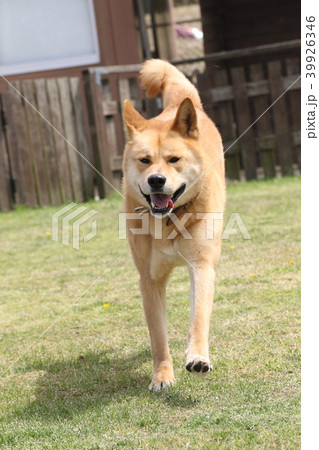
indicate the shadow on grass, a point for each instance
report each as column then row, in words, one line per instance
column 94, row 380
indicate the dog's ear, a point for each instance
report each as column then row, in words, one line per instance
column 186, row 119
column 133, row 119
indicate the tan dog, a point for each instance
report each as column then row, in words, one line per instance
column 174, row 175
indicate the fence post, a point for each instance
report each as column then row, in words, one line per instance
column 101, row 157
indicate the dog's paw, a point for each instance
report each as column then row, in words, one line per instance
column 163, row 378
column 198, row 365
column 157, row 386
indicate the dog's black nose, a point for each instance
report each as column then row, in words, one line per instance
column 156, row 181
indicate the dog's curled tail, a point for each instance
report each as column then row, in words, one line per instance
column 157, row 76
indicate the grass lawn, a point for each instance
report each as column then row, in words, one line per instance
column 84, row 383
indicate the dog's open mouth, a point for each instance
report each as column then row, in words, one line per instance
column 162, row 204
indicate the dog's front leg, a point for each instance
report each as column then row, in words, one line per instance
column 202, row 277
column 154, row 302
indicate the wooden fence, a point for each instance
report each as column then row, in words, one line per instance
column 241, row 94
column 42, row 164
column 44, row 149
column 256, row 106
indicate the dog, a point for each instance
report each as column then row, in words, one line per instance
column 174, row 175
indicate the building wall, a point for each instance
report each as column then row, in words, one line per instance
column 118, row 40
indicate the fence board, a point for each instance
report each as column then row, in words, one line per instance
column 19, row 140
column 72, row 153
column 247, row 142
column 114, row 125
column 5, row 190
column 60, row 145
column 263, row 127
column 34, row 142
column 293, row 70
column 47, row 142
column 226, row 123
column 110, row 92
column 125, row 93
column 109, row 107
column 284, row 142
column 82, row 142
column 124, row 89
column 15, row 162
column 232, row 166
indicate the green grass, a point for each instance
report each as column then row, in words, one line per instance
column 84, row 384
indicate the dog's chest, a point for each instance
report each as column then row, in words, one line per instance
column 168, row 252
column 164, row 255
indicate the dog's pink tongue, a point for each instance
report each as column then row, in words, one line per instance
column 160, row 200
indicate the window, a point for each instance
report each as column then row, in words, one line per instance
column 40, row 35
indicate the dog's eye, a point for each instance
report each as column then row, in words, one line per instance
column 145, row 160
column 174, row 159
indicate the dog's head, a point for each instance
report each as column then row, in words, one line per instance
column 162, row 161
